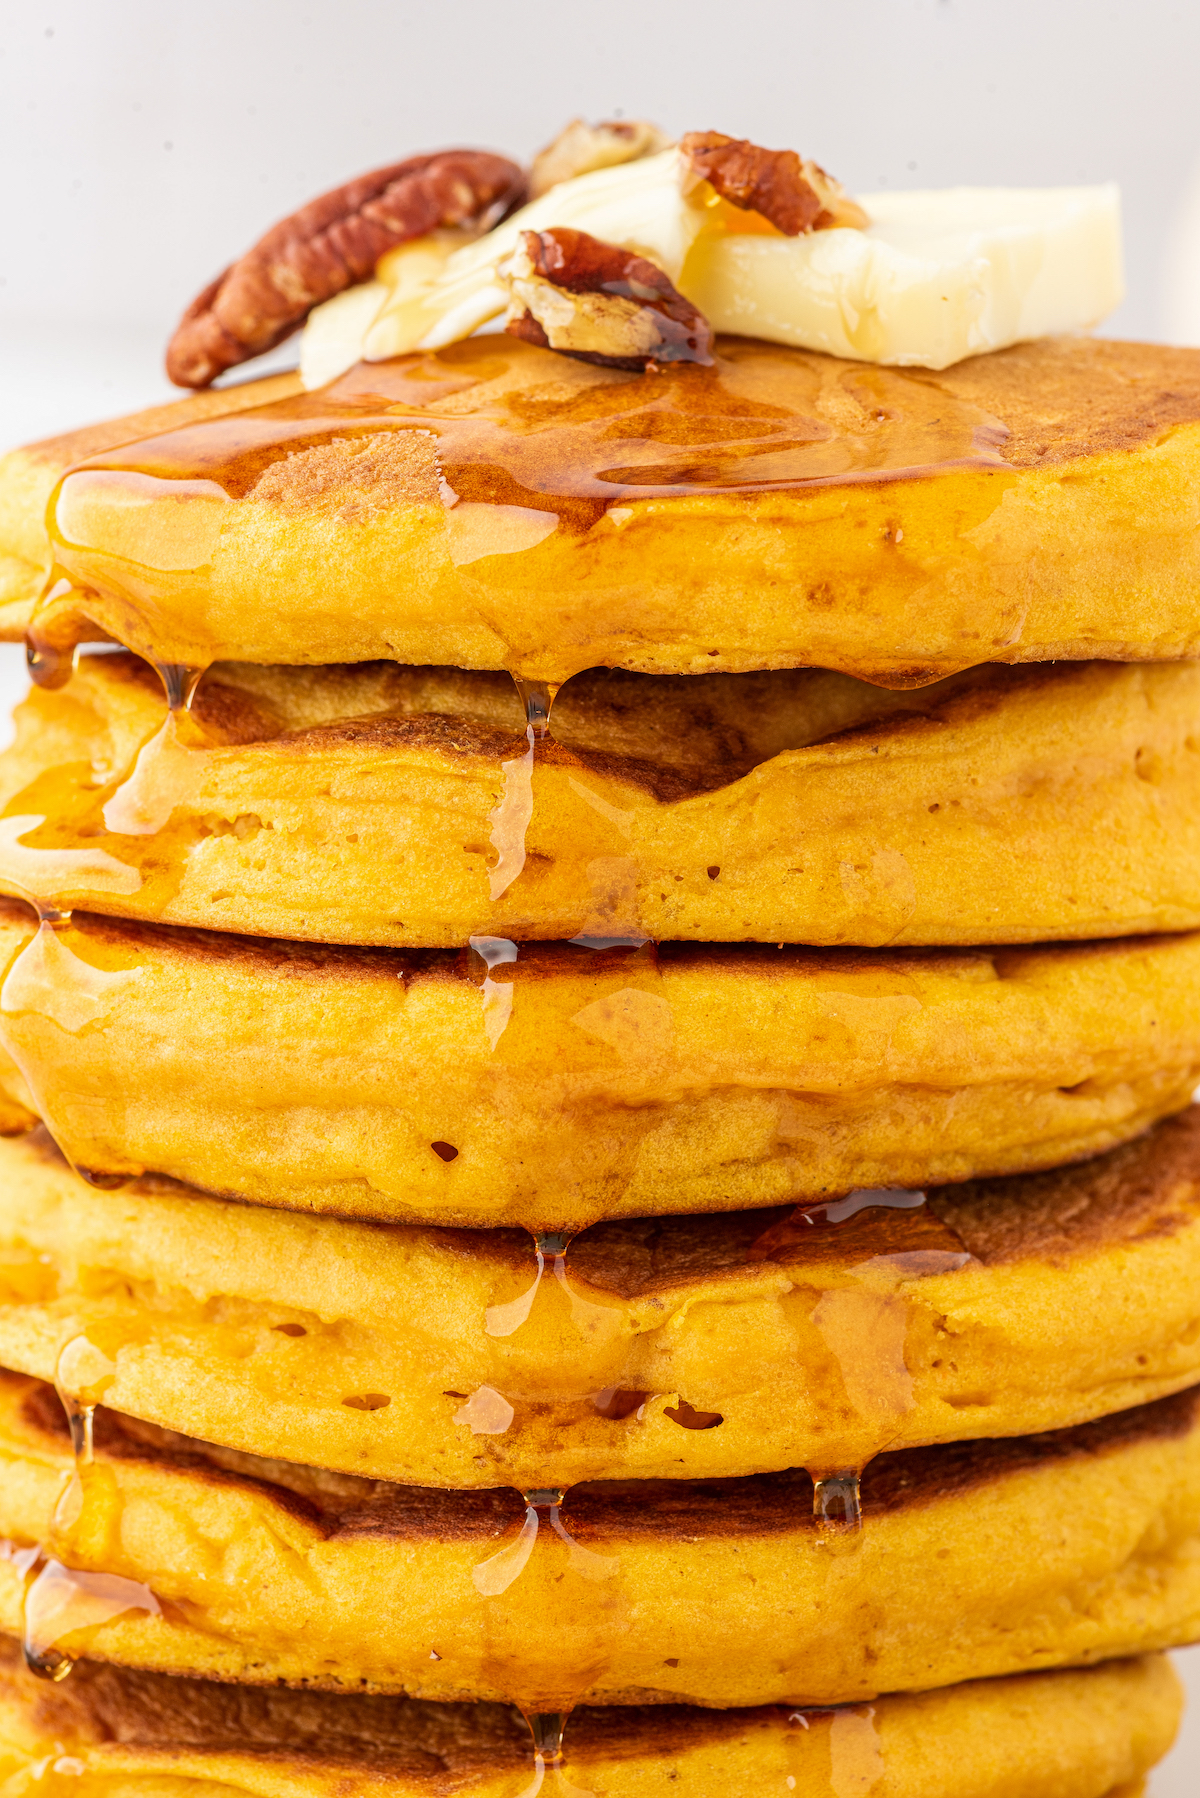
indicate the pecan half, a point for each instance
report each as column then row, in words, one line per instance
column 331, row 244
column 793, row 194
column 579, row 148
column 599, row 303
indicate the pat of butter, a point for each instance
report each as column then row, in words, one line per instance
column 935, row 277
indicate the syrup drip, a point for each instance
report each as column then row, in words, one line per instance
column 50, row 664
column 837, row 1507
column 590, row 1319
column 510, row 820
column 537, row 697
column 48, row 988
column 496, row 952
column 64, row 1602
column 543, row 1506
column 146, row 799
column 546, row 1728
column 82, row 1376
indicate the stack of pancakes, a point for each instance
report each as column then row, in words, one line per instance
column 662, row 1192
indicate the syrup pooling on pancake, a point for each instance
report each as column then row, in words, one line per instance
column 139, row 534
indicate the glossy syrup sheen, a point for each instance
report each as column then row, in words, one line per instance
column 515, row 426
column 156, row 543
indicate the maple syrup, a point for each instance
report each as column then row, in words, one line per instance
column 584, row 1605
column 83, row 1374
column 588, row 1318
column 495, row 952
column 64, row 1607
column 837, row 1750
column 141, row 533
column 547, row 1729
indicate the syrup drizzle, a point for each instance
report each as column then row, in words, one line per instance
column 837, row 1508
column 495, row 952
column 510, row 820
column 83, row 1374
column 61, row 1602
column 146, row 799
column 589, row 1318
column 547, row 1728
column 65, row 1602
column 50, row 663
column 543, row 1505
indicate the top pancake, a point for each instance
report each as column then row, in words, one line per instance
column 493, row 505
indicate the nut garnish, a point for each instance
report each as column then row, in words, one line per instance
column 329, row 245
column 793, row 194
column 580, row 148
column 599, row 303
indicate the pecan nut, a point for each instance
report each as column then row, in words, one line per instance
column 580, row 148
column 329, row 245
column 599, row 303
column 793, row 194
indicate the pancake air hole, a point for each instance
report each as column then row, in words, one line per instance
column 688, row 1418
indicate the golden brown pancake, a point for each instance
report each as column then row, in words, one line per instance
column 974, row 1559
column 1060, row 1735
column 493, row 504
column 591, row 1083
column 365, row 804
column 29, row 476
column 666, row 1348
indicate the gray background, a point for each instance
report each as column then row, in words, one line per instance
column 144, row 143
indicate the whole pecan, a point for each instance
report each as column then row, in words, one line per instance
column 793, row 194
column 599, row 303
column 331, row 244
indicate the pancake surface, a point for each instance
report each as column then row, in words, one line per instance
column 1062, row 1735
column 440, row 1357
column 367, row 805
column 493, row 504
column 714, row 1592
column 593, row 1083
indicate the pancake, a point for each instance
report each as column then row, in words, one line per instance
column 1054, row 1550
column 493, row 504
column 1047, row 1735
column 438, row 1357
column 365, row 805
column 29, row 476
column 595, row 1082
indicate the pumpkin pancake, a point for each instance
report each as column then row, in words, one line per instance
column 1086, row 1734
column 366, row 804
column 1051, row 1550
column 492, row 504
column 592, row 1082
column 667, row 1348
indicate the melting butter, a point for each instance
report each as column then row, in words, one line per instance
column 935, row 276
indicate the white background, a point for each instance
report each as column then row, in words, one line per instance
column 143, row 143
